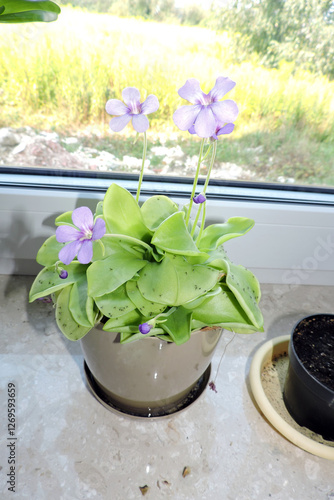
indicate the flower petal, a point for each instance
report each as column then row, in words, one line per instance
column 99, row 229
column 67, row 233
column 68, row 253
column 227, row 129
column 83, row 218
column 222, row 86
column 85, row 253
column 117, row 124
column 205, row 124
column 150, row 105
column 140, row 123
column 185, row 116
column 131, row 95
column 116, row 107
column 225, row 111
column 191, row 91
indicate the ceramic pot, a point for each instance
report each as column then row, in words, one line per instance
column 149, row 377
column 310, row 401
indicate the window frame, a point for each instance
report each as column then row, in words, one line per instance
column 292, row 241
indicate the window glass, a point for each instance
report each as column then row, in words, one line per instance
column 55, row 79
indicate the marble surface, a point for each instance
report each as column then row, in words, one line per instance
column 69, row 447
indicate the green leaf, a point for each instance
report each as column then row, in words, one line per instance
column 104, row 276
column 48, row 280
column 246, row 289
column 116, row 303
column 65, row 218
column 47, row 255
column 132, row 318
column 197, row 302
column 172, row 236
column 65, row 321
column 122, row 214
column 112, row 243
column 178, row 325
column 174, row 281
column 127, row 335
column 216, row 234
column 21, row 11
column 99, row 206
column 78, row 303
column 147, row 308
column 91, row 311
column 224, row 310
column 156, row 209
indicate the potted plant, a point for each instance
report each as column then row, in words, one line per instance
column 309, row 386
column 148, row 288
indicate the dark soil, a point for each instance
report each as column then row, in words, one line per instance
column 314, row 344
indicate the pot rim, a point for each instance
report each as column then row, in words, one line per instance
column 265, row 353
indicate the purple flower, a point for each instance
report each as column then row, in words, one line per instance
column 220, row 130
column 80, row 239
column 63, row 274
column 145, row 328
column 132, row 109
column 207, row 111
column 200, row 198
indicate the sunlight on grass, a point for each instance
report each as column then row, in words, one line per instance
column 59, row 76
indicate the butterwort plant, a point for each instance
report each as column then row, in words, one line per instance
column 152, row 269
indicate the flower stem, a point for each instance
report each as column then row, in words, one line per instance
column 213, row 156
column 200, row 159
column 142, row 167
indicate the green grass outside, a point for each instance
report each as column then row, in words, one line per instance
column 58, row 77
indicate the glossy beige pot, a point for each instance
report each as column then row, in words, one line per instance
column 149, row 377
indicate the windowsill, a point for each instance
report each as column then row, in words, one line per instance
column 69, row 446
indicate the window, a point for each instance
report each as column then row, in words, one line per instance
column 56, row 150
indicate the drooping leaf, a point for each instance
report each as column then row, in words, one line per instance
column 216, row 234
column 116, row 303
column 246, row 289
column 197, row 302
column 122, row 214
column 78, row 303
column 174, row 281
column 65, row 321
column 172, row 236
column 104, row 276
column 156, row 209
column 178, row 325
column 146, row 307
column 47, row 255
column 224, row 310
column 129, row 336
column 48, row 280
column 131, row 318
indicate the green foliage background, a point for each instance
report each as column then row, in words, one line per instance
column 59, row 76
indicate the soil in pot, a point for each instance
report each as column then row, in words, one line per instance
column 309, row 385
column 314, row 345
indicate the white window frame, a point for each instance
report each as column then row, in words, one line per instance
column 292, row 241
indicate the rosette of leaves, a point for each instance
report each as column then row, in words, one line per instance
column 26, row 11
column 149, row 268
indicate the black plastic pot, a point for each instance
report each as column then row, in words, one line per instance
column 309, row 386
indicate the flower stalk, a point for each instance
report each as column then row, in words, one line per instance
column 142, row 167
